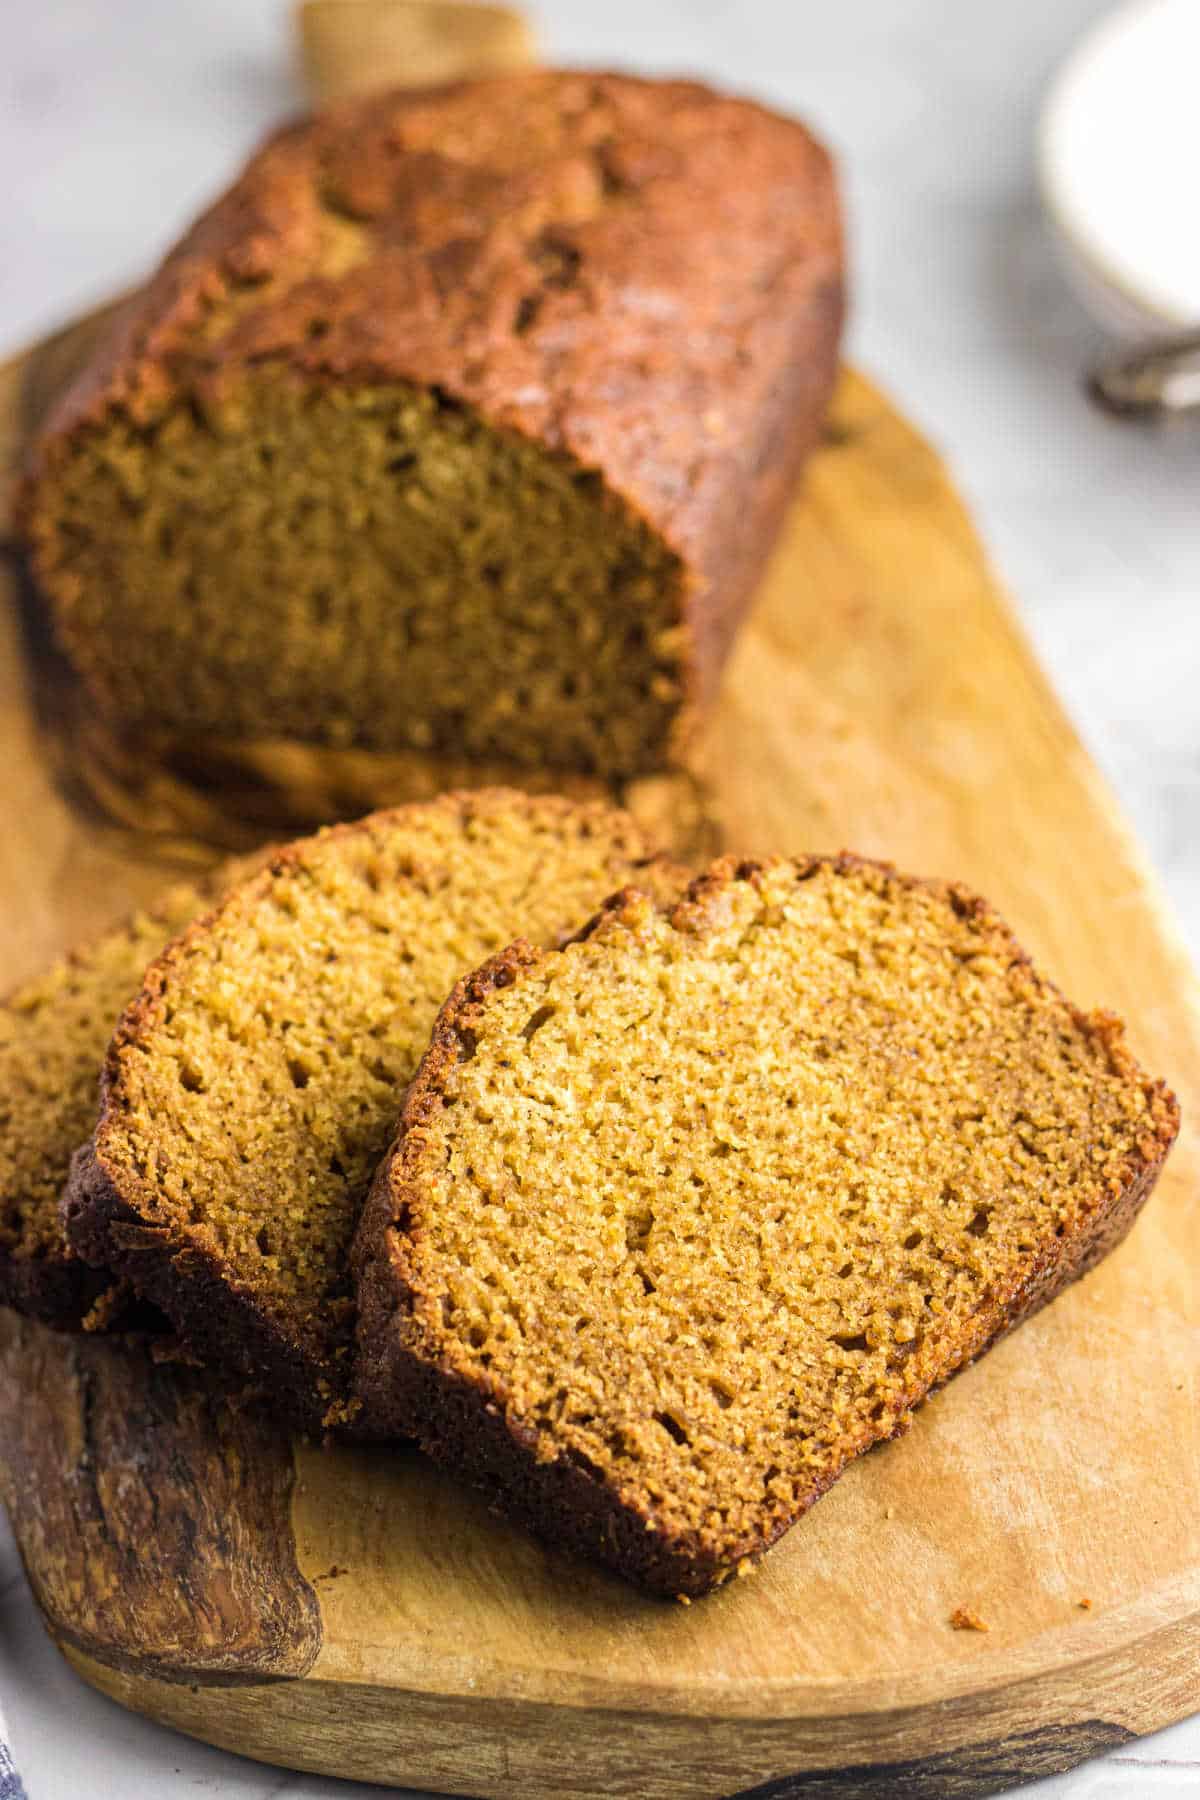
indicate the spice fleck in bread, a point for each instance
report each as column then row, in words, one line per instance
column 53, row 1034
column 252, row 1087
column 464, row 422
column 686, row 1215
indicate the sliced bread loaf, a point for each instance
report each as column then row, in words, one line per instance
column 252, row 1087
column 53, row 1034
column 686, row 1215
column 464, row 422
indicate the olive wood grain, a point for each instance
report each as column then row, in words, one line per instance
column 125, row 1477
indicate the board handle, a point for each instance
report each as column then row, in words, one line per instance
column 351, row 46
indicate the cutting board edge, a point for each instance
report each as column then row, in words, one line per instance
column 1125, row 1633
column 495, row 1753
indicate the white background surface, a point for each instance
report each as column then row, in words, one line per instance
column 119, row 117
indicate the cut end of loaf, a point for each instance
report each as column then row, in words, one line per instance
column 686, row 1216
column 423, row 581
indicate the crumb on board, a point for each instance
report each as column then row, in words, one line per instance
column 1085, row 1605
column 889, row 1512
column 965, row 1618
column 683, row 1599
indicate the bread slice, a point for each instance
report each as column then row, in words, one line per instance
column 686, row 1215
column 53, row 1034
column 252, row 1087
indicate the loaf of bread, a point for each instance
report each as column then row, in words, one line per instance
column 686, row 1215
column 253, row 1085
column 463, row 423
column 53, row 1034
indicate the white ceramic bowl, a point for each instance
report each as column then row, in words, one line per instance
column 1119, row 167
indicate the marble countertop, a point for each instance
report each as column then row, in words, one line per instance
column 118, row 119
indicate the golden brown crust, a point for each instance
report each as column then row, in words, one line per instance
column 644, row 277
column 412, row 1381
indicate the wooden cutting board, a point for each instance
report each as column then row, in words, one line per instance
column 351, row 1612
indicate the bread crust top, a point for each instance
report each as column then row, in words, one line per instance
column 618, row 268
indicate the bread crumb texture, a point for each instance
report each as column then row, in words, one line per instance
column 703, row 1204
column 253, row 1086
column 53, row 1034
column 423, row 581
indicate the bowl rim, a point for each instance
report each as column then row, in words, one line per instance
column 1158, row 315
